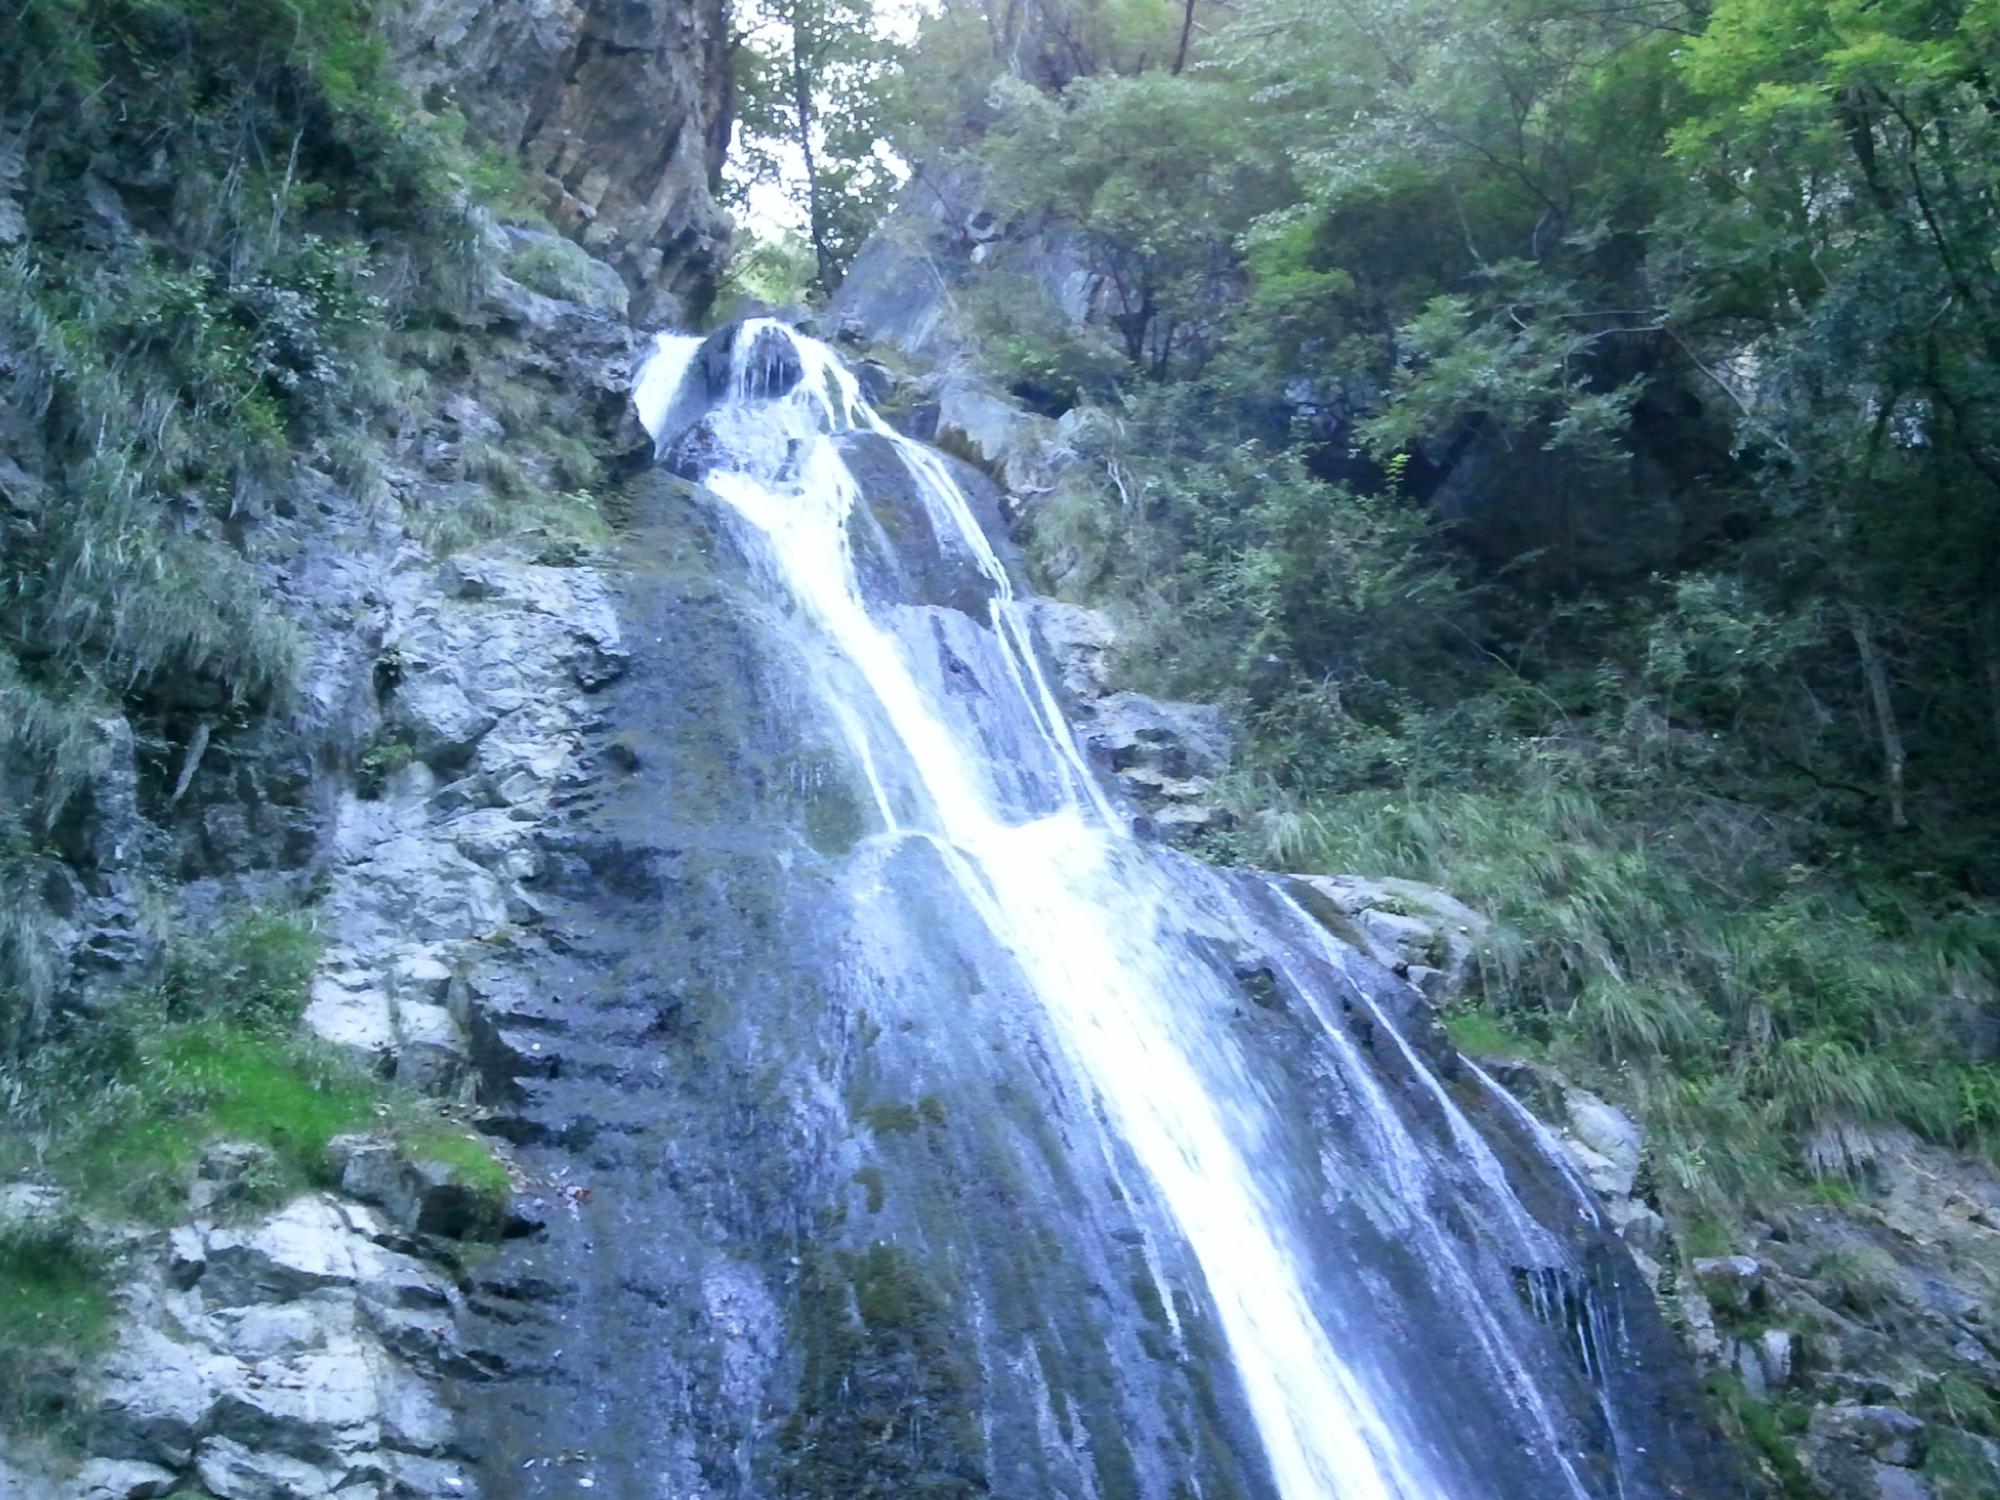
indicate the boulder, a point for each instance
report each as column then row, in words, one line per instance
column 1130, row 731
column 319, row 1407
column 1639, row 1225
column 1433, row 939
column 1732, row 1283
column 230, row 1176
column 437, row 714
column 354, row 1016
column 1605, row 1141
column 153, row 1398
column 231, row 1470
column 1866, row 1451
column 1080, row 641
column 618, row 112
column 314, row 1243
column 1887, row 1434
column 1777, row 1356
column 417, row 1196
column 770, row 361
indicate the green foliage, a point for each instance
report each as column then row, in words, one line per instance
column 1957, row 1400
column 1427, row 312
column 1479, row 1033
column 1957, row 1467
column 1157, row 175
column 192, row 1083
column 175, row 344
column 120, row 1108
column 1760, row 1433
column 778, row 272
column 811, row 78
column 1043, row 357
column 53, row 1308
column 256, row 971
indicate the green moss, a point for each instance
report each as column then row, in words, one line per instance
column 871, row 1182
column 122, row 1107
column 55, row 1311
column 1477, row 1032
column 833, row 816
column 887, row 1402
column 52, row 1291
column 892, row 1119
column 558, row 268
column 472, row 1162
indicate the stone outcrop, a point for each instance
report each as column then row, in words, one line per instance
column 1165, row 756
column 1415, row 931
column 619, row 110
column 293, row 1355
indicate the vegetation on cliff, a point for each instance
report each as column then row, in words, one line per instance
column 230, row 244
column 1568, row 439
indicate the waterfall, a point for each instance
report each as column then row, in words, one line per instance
column 1115, row 939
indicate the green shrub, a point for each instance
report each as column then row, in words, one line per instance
column 379, row 763
column 256, row 970
column 55, row 1311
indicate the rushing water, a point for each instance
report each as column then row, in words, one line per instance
column 1114, row 939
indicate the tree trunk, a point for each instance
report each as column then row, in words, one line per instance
column 802, row 114
column 1877, row 681
column 1187, row 35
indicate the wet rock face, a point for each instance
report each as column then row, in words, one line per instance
column 619, row 108
column 897, row 549
column 771, row 362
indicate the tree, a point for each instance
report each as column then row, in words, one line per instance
column 812, row 76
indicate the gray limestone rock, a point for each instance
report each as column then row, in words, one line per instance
column 619, row 110
column 1431, row 937
column 122, row 1479
column 415, row 1195
column 1606, row 1142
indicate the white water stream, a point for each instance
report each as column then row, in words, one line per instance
column 1085, row 910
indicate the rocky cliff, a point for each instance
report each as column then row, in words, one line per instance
column 248, row 1193
column 619, row 108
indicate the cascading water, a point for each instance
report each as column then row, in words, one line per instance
column 1345, row 1256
